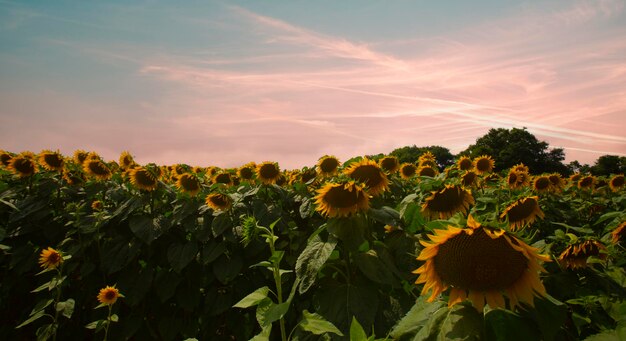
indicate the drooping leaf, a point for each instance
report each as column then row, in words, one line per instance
column 317, row 324
column 311, row 260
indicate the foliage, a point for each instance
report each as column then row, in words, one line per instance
column 412, row 153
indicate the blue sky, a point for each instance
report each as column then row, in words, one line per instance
column 223, row 83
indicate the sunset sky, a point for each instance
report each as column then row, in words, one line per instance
column 227, row 82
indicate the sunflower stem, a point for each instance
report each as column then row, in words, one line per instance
column 56, row 302
column 106, row 325
column 276, row 271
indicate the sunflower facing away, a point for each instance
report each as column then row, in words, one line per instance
column 575, row 256
column 52, row 161
column 480, row 264
column 341, row 199
column 143, row 178
column 96, row 168
column 446, row 202
column 109, row 295
column 23, row 165
column 188, row 183
column 407, row 170
column 389, row 164
column 268, row 172
column 522, row 212
column 369, row 173
column 465, row 163
column 219, row 201
column 50, row 258
column 484, row 164
column 327, row 165
column 617, row 182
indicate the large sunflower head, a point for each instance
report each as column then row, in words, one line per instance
column 587, row 182
column 50, row 258
column 327, row 165
column 126, row 160
column 370, row 174
column 484, row 164
column 219, row 201
column 5, row 158
column 389, row 164
column 522, row 212
column 144, row 178
column 480, row 264
column 247, row 171
column 542, row 184
column 575, row 256
column 341, row 199
column 23, row 165
column 407, row 170
column 464, row 163
column 617, row 182
column 618, row 233
column 109, row 295
column 52, row 161
column 446, row 202
column 223, row 178
column 188, row 183
column 268, row 172
column 97, row 169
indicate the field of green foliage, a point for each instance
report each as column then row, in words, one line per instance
column 358, row 250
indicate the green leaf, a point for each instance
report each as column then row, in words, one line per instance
column 211, row 251
column 46, row 331
column 386, row 215
column 31, row 319
column 179, row 255
column 66, row 308
column 115, row 318
column 226, row 269
column 311, row 260
column 317, row 324
column 53, row 283
column 148, row 229
column 433, row 326
column 463, row 323
column 505, row 325
column 416, row 318
column 220, row 223
column 253, row 299
column 264, row 335
column 373, row 268
column 356, row 331
column 40, row 306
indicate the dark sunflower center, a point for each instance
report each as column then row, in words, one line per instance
column 53, row 160
column 268, row 171
column 329, row 165
column 110, row 295
column 427, row 171
column 5, row 159
column 408, row 170
column 54, row 258
column 223, row 178
column 542, row 183
column 483, row 164
column 617, row 181
column 555, row 180
column 586, row 182
column 339, row 197
column 465, row 164
column 389, row 164
column 219, row 201
column 308, row 175
column 24, row 166
column 98, row 168
column 446, row 200
column 478, row 262
column 189, row 183
column 144, row 178
column 368, row 174
column 512, row 179
column 522, row 210
column 245, row 173
column 468, row 178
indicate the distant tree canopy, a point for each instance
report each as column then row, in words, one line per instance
column 509, row 147
column 609, row 164
column 412, row 153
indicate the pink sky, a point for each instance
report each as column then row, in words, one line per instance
column 280, row 90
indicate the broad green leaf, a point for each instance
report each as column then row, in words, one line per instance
column 356, row 331
column 416, row 318
column 66, row 308
column 264, row 335
column 385, row 215
column 46, row 331
column 31, row 319
column 148, row 229
column 462, row 323
column 505, row 325
column 41, row 305
column 227, row 268
column 432, row 328
column 373, row 268
column 179, row 255
column 253, row 299
column 317, row 324
column 311, row 261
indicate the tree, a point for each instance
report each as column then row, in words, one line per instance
column 512, row 146
column 412, row 153
column 609, row 164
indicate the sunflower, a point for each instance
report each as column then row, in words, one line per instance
column 557, row 182
column 465, row 163
column 617, row 182
column 618, row 234
column 587, row 182
column 5, row 158
column 427, row 156
column 407, row 170
column 522, row 212
column 96, row 168
column 327, row 165
column 50, row 258
column 480, row 264
column 223, row 178
column 23, row 164
column 52, row 161
column 574, row 178
column 446, row 202
column 468, row 178
column 389, row 164
column 575, row 256
column 109, row 295
column 369, row 173
column 246, row 172
column 341, row 199
column 73, row 178
column 484, row 164
column 80, row 156
column 97, row 205
column 188, row 183
column 520, row 167
column 427, row 170
column 307, row 174
column 268, row 172
column 126, row 160
column 143, row 178
column 542, row 184
column 219, row 201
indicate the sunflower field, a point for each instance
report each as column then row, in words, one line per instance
column 366, row 249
